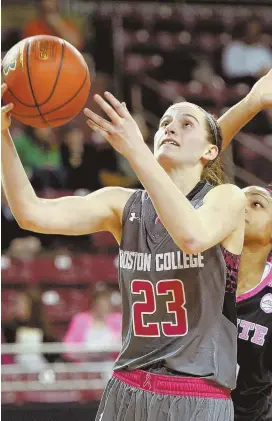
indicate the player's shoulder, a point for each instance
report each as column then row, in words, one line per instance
column 225, row 189
column 114, row 193
column 114, row 198
column 226, row 194
column 122, row 197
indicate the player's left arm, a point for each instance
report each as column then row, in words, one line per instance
column 258, row 99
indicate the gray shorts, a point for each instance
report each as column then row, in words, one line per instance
column 145, row 396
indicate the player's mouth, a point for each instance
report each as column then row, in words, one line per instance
column 169, row 141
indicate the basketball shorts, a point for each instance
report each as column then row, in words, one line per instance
column 144, row 396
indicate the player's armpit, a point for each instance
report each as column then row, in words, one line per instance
column 220, row 215
column 99, row 211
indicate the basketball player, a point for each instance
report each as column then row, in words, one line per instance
column 180, row 245
column 254, row 311
column 254, row 301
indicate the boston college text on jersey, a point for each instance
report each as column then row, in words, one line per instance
column 133, row 260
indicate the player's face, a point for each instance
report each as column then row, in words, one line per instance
column 258, row 215
column 181, row 137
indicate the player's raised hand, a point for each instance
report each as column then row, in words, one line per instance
column 5, row 111
column 262, row 91
column 122, row 132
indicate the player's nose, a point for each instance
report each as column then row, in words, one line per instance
column 247, row 208
column 170, row 129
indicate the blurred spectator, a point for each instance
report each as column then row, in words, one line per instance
column 9, row 37
column 5, row 358
column 50, row 22
column 204, row 72
column 90, row 165
column 40, row 156
column 25, row 248
column 80, row 160
column 98, row 327
column 247, row 59
column 12, row 232
column 28, row 326
column 103, row 47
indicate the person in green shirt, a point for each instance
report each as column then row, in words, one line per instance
column 39, row 152
column 38, row 149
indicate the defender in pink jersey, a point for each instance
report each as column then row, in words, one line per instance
column 252, row 396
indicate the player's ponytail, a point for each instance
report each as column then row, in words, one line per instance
column 213, row 172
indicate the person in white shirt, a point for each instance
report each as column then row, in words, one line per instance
column 247, row 57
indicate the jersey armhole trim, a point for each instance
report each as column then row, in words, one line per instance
column 266, row 280
column 129, row 204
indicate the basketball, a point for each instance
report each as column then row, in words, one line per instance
column 48, row 81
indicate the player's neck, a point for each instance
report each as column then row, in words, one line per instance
column 252, row 264
column 185, row 179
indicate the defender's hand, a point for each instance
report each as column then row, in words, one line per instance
column 261, row 93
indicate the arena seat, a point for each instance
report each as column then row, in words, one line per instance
column 104, row 241
column 61, row 304
column 59, row 269
column 15, row 271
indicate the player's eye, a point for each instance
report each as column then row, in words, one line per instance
column 257, row 204
column 188, row 124
column 164, row 123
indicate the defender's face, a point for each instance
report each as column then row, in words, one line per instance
column 181, row 135
column 258, row 215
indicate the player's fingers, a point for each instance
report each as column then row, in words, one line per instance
column 4, row 87
column 98, row 129
column 7, row 108
column 118, row 106
column 111, row 113
column 106, row 125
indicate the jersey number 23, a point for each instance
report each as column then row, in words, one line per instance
column 175, row 306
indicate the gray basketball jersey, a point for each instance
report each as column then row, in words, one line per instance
column 177, row 308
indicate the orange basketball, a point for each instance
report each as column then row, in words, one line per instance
column 48, row 81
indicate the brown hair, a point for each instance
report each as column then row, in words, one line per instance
column 213, row 171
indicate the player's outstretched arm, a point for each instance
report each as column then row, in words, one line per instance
column 99, row 211
column 258, row 99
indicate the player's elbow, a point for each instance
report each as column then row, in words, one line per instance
column 191, row 246
column 28, row 217
column 24, row 223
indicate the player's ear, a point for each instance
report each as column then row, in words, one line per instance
column 211, row 152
